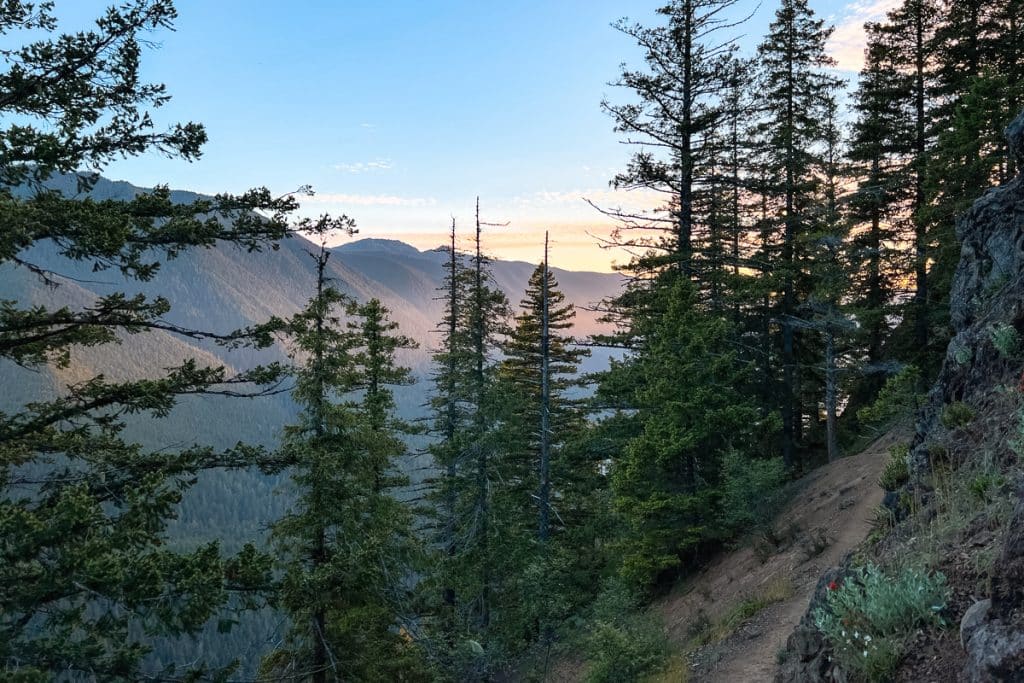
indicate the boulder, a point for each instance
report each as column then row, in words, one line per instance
column 995, row 654
column 1008, row 570
column 808, row 657
column 994, row 636
column 975, row 616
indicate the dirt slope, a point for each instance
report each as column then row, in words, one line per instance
column 837, row 501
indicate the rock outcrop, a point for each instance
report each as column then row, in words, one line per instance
column 994, row 641
column 808, row 654
column 987, row 292
column 987, row 297
column 986, row 308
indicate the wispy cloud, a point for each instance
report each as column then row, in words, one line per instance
column 603, row 197
column 847, row 42
column 364, row 166
column 369, row 200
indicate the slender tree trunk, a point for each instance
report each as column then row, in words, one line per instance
column 545, row 407
column 686, row 147
column 715, row 249
column 788, row 263
column 448, row 592
column 876, row 299
column 831, row 393
column 1013, row 81
column 767, row 379
column 734, row 162
column 479, row 351
column 920, row 233
column 319, row 416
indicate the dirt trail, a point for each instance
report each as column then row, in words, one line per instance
column 836, row 502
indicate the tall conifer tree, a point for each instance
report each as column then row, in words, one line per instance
column 671, row 123
column 797, row 90
column 84, row 566
column 344, row 548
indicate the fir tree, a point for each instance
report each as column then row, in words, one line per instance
column 671, row 123
column 684, row 384
column 449, row 405
column 541, row 491
column 796, row 93
column 344, row 548
column 878, row 153
column 84, row 566
column 466, row 409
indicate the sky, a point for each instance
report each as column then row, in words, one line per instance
column 400, row 113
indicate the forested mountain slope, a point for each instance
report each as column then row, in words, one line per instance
column 226, row 288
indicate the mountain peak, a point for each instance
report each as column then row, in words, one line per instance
column 373, row 244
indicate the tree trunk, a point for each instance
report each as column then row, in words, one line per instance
column 545, row 407
column 831, row 393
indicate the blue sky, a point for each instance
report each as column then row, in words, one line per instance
column 400, row 112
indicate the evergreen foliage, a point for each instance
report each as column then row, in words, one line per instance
column 795, row 264
column 666, row 481
column 87, row 578
column 346, row 545
column 466, row 412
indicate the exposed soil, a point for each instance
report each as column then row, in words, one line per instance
column 837, row 500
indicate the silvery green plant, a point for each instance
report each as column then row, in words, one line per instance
column 869, row 615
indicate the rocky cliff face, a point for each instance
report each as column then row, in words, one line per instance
column 987, row 313
column 987, row 296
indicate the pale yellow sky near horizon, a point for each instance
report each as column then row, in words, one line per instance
column 576, row 228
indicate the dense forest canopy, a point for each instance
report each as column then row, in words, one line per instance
column 787, row 298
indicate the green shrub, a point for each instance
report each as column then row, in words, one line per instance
column 618, row 641
column 617, row 652
column 956, row 415
column 869, row 617
column 751, row 492
column 899, row 397
column 896, row 473
column 985, row 484
column 1005, row 338
column 937, row 454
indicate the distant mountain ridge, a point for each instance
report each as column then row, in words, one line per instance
column 221, row 289
column 224, row 288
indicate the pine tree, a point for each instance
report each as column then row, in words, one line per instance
column 907, row 38
column 676, row 112
column 540, row 493
column 449, row 406
column 879, row 153
column 84, row 566
column 796, row 92
column 686, row 388
column 376, row 372
column 344, row 548
column 466, row 409
column 539, row 368
column 830, row 274
column 486, row 313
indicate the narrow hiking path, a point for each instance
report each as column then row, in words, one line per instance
column 830, row 514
